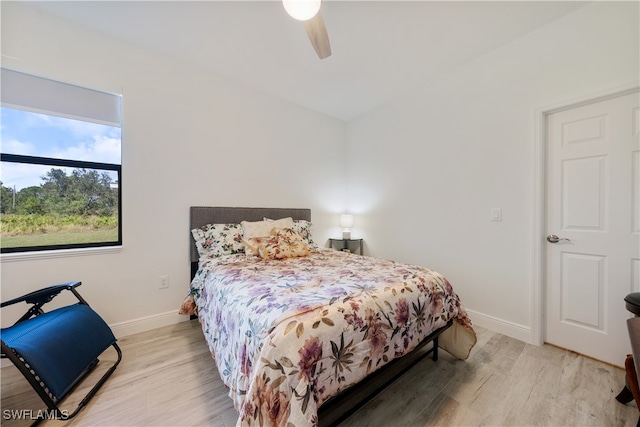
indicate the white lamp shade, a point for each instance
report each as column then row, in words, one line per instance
column 302, row 10
column 346, row 221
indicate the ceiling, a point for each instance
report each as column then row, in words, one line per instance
column 381, row 49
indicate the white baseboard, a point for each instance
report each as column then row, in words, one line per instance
column 510, row 329
column 130, row 327
column 147, row 323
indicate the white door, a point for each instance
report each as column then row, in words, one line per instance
column 593, row 201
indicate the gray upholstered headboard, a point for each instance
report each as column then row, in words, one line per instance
column 203, row 215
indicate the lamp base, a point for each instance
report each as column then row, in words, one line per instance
column 346, row 235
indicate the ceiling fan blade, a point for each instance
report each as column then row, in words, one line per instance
column 317, row 32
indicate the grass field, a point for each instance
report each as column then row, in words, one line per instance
column 61, row 238
column 46, row 229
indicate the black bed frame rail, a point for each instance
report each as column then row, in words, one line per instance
column 346, row 403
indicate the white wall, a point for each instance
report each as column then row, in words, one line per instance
column 188, row 138
column 425, row 171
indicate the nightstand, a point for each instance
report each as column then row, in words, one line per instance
column 347, row 245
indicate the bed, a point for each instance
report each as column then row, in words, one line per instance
column 303, row 335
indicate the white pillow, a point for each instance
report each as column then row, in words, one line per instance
column 263, row 228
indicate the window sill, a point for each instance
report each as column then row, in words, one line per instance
column 60, row 253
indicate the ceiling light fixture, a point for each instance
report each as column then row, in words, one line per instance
column 302, row 10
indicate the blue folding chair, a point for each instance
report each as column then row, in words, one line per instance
column 55, row 350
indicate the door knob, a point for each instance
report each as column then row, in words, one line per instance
column 552, row 238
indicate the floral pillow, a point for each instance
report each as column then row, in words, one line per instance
column 214, row 240
column 252, row 245
column 283, row 243
column 303, row 228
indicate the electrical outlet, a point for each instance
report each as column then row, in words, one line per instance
column 496, row 214
column 164, row 282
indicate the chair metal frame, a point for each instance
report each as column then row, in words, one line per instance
column 38, row 299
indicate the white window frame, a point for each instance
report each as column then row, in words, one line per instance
column 46, row 96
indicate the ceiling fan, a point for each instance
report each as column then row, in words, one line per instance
column 309, row 12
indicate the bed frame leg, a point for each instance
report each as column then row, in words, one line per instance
column 435, row 349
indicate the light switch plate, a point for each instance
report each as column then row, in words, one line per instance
column 496, row 214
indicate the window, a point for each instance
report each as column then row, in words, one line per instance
column 61, row 178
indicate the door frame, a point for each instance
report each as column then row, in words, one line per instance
column 538, row 228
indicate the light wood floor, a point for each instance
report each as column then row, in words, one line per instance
column 167, row 378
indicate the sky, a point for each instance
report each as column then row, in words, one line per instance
column 42, row 135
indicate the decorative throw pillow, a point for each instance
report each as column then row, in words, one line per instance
column 263, row 228
column 303, row 228
column 283, row 243
column 213, row 240
column 252, row 245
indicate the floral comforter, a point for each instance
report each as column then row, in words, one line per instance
column 288, row 334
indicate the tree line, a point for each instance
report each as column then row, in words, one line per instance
column 83, row 192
